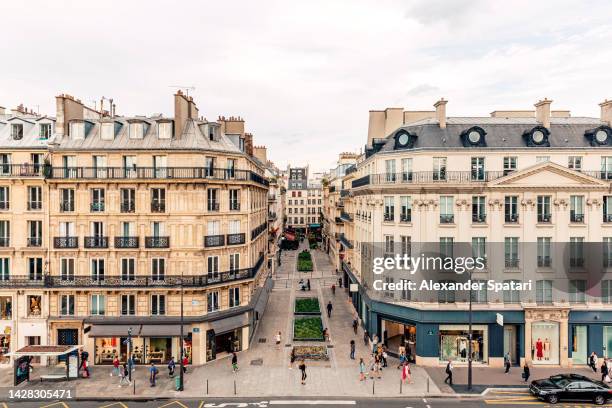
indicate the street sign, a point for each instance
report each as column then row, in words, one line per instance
column 196, row 330
column 500, row 319
column 353, row 287
column 195, row 303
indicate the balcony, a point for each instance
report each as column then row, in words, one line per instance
column 512, row 262
column 34, row 242
column 236, row 239
column 158, row 206
column 346, row 216
column 126, row 242
column 360, row 182
column 66, row 206
column 447, row 218
column 128, row 206
column 479, row 218
column 257, row 231
column 34, row 205
column 389, row 217
column 544, row 261
column 211, row 241
column 346, row 242
column 96, row 242
column 157, row 242
column 213, row 206
column 22, row 170
column 576, row 262
column 97, row 206
column 234, row 206
column 4, row 205
column 65, row 242
column 607, row 218
column 578, row 218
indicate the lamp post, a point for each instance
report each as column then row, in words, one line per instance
column 469, row 384
column 181, row 340
column 129, row 346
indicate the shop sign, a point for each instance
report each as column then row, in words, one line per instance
column 500, row 319
column 353, row 288
column 430, row 333
column 196, row 330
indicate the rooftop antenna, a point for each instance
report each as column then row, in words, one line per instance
column 185, row 88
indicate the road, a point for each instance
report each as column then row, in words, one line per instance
column 497, row 399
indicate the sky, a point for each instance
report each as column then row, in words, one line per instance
column 305, row 74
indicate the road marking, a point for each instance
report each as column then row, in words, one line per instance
column 113, row 404
column 174, row 402
column 510, row 402
column 61, row 404
column 312, row 402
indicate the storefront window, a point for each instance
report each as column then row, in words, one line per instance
column 6, row 308
column 159, row 350
column 109, row 347
column 607, row 341
column 454, row 344
column 398, row 335
column 5, row 345
column 545, row 342
column 34, row 305
column 579, row 341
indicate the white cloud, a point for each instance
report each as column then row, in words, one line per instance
column 304, row 74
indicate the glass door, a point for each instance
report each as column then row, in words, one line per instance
column 579, row 348
column 607, row 341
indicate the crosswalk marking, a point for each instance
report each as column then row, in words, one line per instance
column 312, row 402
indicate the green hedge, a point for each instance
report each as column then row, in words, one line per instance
column 307, row 306
column 304, row 262
column 308, row 328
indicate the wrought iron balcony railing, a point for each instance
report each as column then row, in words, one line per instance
column 236, row 239
column 65, row 242
column 126, row 242
column 96, row 242
column 157, row 242
column 214, row 241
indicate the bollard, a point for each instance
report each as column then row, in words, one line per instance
column 428, row 385
column 134, row 386
column 401, row 386
column 373, row 382
column 207, row 386
column 234, row 387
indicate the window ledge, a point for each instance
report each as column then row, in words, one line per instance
column 512, row 224
column 545, row 224
column 480, row 225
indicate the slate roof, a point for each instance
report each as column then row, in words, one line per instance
column 501, row 133
column 30, row 139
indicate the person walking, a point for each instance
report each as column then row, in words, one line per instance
column 352, row 349
column 378, row 367
column 507, row 363
column 604, row 371
column 383, row 356
column 185, row 362
column 366, row 338
column 329, row 309
column 333, row 290
column 308, row 284
column 406, row 373
column 594, row 361
column 130, row 364
column 302, row 368
column 115, row 370
column 124, row 374
column 153, row 374
column 449, row 373
column 234, row 362
column 526, row 372
column 171, row 367
column 355, row 325
column 277, row 339
column 362, row 370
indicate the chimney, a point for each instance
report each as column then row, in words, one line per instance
column 66, row 109
column 606, row 112
column 376, row 126
column 248, row 144
column 260, row 152
column 2, row 110
column 441, row 112
column 543, row 112
column 182, row 106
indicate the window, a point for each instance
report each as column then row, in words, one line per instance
column 5, row 270
column 479, row 248
column 97, row 199
column 406, row 170
column 405, row 294
column 446, row 210
column 212, row 301
column 158, row 200
column 213, row 204
column 406, row 243
column 511, row 252
column 99, row 166
column 158, row 269
column 439, row 168
column 6, row 308
column 128, row 305
column 5, row 233
column 164, row 130
column 158, row 229
column 478, row 168
column 542, row 159
column 44, row 130
column 544, row 292
column 388, row 281
column 160, row 166
column 158, row 305
column 607, row 209
column 446, row 296
column 607, row 252
column 97, row 269
column 213, row 267
column 389, row 209
column 390, row 171
column 480, row 295
column 35, row 233
column 107, row 131
column 389, row 245
column 129, row 166
column 234, row 262
column 479, row 209
column 17, row 131
column 512, row 296
column 4, row 198
column 136, row 130
column 544, row 258
column 128, row 269
column 544, row 214
column 97, row 305
column 77, row 130
column 606, row 168
column 577, row 291
column 606, row 291
column 446, row 247
column 209, row 164
column 576, row 252
column 234, row 199
column 67, row 200
column 34, row 198
column 128, row 200
column 405, row 209
column 67, row 305
column 576, row 208
column 67, row 269
column 509, row 164
column 234, row 297
column 231, row 168
column 574, row 162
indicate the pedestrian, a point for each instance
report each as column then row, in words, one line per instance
column 384, row 356
column 507, row 363
column 84, row 356
column 352, row 349
column 329, row 309
column 85, row 366
column 115, row 370
column 406, row 374
column 526, row 372
column 302, row 368
column 124, row 373
column 402, row 360
column 334, row 290
column 374, row 344
column 449, row 373
column 362, row 370
column 604, row 371
column 185, row 362
column 593, row 361
column 130, row 364
column 153, row 374
column 277, row 339
column 308, row 284
column 372, row 367
column 378, row 367
column 366, row 338
column 171, row 367
column 339, row 282
column 355, row 325
column 234, row 361
column 292, row 359
column 326, row 334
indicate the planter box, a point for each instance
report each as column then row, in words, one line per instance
column 307, row 306
column 308, row 328
column 313, row 353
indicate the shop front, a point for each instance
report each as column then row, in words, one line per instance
column 455, row 343
column 590, row 331
column 547, row 337
column 227, row 335
column 6, row 340
column 396, row 335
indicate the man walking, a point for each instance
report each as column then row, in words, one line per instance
column 171, row 367
column 329, row 309
column 593, row 361
column 366, row 338
column 604, row 371
column 355, row 325
column 449, row 373
column 526, row 372
column 302, row 368
column 507, row 363
column 234, row 361
column 352, row 349
column 153, row 374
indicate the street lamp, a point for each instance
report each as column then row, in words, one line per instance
column 181, row 340
column 129, row 359
column 469, row 385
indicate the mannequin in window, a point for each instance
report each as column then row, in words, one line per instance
column 546, row 349
column 539, row 349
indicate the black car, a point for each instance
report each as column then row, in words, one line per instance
column 570, row 387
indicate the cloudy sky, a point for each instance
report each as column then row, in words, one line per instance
column 304, row 74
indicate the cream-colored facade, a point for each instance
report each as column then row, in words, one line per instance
column 139, row 213
column 304, row 199
column 520, row 183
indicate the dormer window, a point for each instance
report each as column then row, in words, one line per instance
column 601, row 136
column 404, row 140
column 17, row 131
column 45, row 130
column 107, row 131
column 164, row 130
column 473, row 137
column 136, row 130
column 77, row 130
column 537, row 137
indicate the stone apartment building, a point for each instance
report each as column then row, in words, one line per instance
column 528, row 191
column 136, row 217
column 304, row 199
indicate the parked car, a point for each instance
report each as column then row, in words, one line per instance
column 570, row 387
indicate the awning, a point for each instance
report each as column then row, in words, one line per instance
column 49, row 351
column 163, row 330
column 229, row 323
column 113, row 330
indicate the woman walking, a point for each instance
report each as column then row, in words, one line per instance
column 302, row 368
column 124, row 374
column 234, row 361
column 362, row 370
column 115, row 370
column 352, row 350
column 366, row 339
